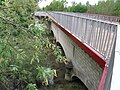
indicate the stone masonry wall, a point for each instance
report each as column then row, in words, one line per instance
column 84, row 67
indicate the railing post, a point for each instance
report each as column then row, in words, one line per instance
column 115, row 83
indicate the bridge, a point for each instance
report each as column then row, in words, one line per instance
column 91, row 43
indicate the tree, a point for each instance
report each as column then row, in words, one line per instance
column 77, row 8
column 87, row 3
column 56, row 5
column 117, row 8
column 105, row 7
column 73, row 3
column 23, row 46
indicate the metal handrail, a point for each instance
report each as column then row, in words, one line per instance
column 96, row 16
column 98, row 34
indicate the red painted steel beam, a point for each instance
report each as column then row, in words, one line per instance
column 102, row 81
column 91, row 52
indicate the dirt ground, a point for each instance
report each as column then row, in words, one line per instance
column 59, row 82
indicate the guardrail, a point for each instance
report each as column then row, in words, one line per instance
column 98, row 34
column 96, row 16
column 101, row 17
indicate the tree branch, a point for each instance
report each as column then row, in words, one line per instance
column 16, row 6
column 14, row 24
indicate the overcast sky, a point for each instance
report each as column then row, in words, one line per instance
column 47, row 2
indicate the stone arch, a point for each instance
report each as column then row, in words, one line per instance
column 61, row 47
column 53, row 34
column 76, row 79
column 68, row 66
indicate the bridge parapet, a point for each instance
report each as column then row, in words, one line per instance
column 96, row 16
column 41, row 13
column 101, row 17
column 99, row 35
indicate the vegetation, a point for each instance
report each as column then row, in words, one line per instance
column 104, row 7
column 56, row 5
column 24, row 47
column 77, row 8
column 61, row 5
column 111, row 7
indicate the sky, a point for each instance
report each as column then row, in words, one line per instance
column 47, row 2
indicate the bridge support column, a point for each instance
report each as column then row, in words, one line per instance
column 69, row 71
